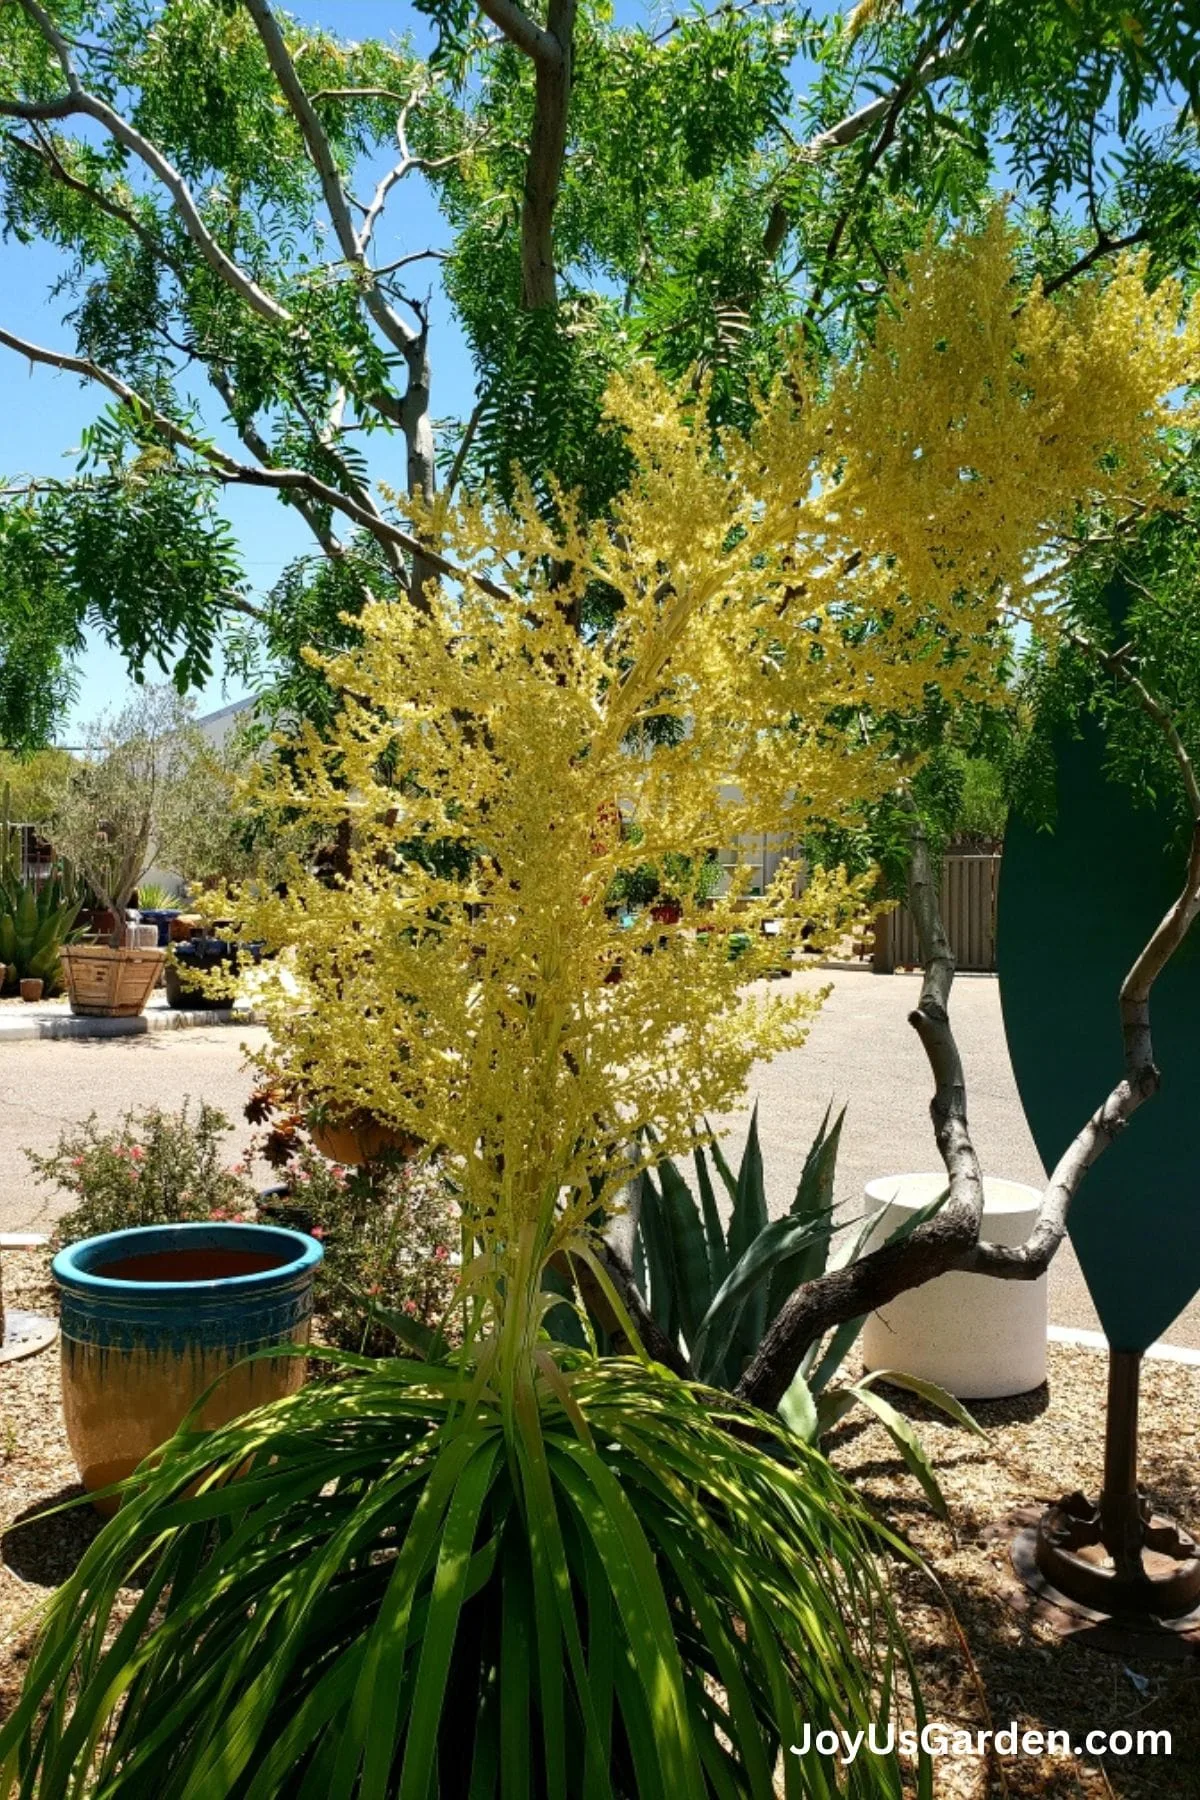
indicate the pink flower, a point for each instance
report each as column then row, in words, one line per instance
column 375, row 1288
column 77, row 1162
column 410, row 1307
column 137, row 1153
column 440, row 1253
column 218, row 1212
column 318, row 1231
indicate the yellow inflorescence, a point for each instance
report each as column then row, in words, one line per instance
column 776, row 595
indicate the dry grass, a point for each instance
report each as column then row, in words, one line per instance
column 1038, row 1447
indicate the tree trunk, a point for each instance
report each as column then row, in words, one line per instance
column 547, row 149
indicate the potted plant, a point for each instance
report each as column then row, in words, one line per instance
column 115, row 816
column 159, row 906
column 218, row 843
column 507, row 1552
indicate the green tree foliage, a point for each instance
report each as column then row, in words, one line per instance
column 226, row 188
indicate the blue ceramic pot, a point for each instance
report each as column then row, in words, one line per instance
column 151, row 1317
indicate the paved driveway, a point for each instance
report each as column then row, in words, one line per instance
column 46, row 1086
column 861, row 1050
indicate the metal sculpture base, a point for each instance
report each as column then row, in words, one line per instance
column 1115, row 1561
column 25, row 1333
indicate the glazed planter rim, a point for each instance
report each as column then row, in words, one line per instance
column 78, row 1268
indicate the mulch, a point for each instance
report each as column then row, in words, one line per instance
column 1038, row 1447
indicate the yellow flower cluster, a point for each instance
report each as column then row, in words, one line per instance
column 774, row 595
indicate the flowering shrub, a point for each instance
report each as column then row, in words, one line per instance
column 154, row 1168
column 387, row 1232
column 777, row 606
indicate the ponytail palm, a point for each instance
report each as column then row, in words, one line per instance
column 520, row 1570
column 610, row 1595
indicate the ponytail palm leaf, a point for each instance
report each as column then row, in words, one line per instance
column 402, row 1595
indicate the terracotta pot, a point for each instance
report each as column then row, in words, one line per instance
column 356, row 1139
column 107, row 983
column 31, row 987
column 151, row 1317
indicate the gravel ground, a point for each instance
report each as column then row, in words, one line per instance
column 36, row 1473
column 1037, row 1447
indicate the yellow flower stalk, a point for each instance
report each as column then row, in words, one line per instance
column 777, row 596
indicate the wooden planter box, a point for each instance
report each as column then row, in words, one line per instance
column 107, row 983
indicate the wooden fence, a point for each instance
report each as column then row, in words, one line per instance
column 969, row 885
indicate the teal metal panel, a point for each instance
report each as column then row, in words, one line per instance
column 1075, row 907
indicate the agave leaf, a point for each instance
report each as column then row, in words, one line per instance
column 660, row 1259
column 749, row 1214
column 814, row 1197
column 726, row 1316
column 689, row 1249
column 798, row 1411
column 912, row 1450
column 832, row 1407
column 26, row 917
column 749, row 1220
column 718, row 1258
column 930, row 1391
column 728, row 1178
column 44, row 965
column 820, row 1372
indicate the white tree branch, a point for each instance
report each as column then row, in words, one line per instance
column 522, row 31
column 397, row 331
column 284, row 480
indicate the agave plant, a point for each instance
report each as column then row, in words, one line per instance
column 36, row 920
column 715, row 1288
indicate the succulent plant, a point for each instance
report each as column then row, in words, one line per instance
column 36, row 918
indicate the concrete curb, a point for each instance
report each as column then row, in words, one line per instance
column 68, row 1026
column 1096, row 1340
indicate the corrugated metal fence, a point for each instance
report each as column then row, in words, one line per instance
column 969, row 885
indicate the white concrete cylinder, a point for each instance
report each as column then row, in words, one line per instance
column 978, row 1337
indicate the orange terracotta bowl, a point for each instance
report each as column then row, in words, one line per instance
column 359, row 1138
